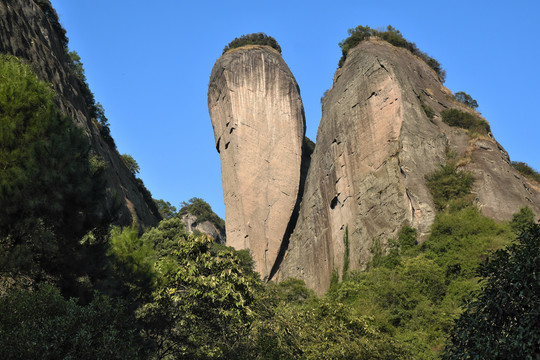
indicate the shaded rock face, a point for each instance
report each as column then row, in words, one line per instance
column 259, row 126
column 205, row 227
column 26, row 32
column 375, row 144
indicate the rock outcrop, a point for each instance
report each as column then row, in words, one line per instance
column 259, row 127
column 206, row 227
column 375, row 144
column 29, row 33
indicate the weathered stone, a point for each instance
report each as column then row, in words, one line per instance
column 259, row 126
column 205, row 227
column 26, row 32
column 375, row 144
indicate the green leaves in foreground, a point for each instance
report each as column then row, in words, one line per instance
column 503, row 322
column 41, row 324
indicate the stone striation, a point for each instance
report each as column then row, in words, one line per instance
column 26, row 32
column 375, row 144
column 259, row 126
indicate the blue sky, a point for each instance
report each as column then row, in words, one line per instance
column 149, row 64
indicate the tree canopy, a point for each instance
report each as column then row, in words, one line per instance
column 253, row 39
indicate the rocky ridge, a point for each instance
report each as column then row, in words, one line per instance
column 27, row 32
column 375, row 145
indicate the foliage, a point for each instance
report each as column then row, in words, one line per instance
column 131, row 164
column 253, row 39
column 449, row 186
column 204, row 303
column 166, row 209
column 466, row 99
column 465, row 120
column 391, row 35
column 503, row 322
column 42, row 325
column 203, row 211
column 521, row 220
column 526, row 170
column 51, row 188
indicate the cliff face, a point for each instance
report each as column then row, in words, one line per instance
column 375, row 144
column 259, row 126
column 27, row 32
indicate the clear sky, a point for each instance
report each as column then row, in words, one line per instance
column 149, row 62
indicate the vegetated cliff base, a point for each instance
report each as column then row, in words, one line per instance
column 375, row 145
column 27, row 32
column 259, row 126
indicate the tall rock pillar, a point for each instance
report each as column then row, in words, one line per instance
column 259, row 126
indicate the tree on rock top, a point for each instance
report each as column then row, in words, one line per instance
column 253, row 39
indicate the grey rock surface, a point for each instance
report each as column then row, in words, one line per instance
column 26, row 32
column 259, row 126
column 205, row 227
column 375, row 144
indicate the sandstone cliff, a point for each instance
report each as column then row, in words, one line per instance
column 375, row 144
column 28, row 33
column 259, row 127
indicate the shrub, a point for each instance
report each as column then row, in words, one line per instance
column 449, row 185
column 526, row 170
column 465, row 120
column 253, row 39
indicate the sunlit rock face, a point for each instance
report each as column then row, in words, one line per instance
column 375, row 144
column 259, row 126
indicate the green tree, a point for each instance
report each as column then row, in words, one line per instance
column 51, row 188
column 41, row 324
column 205, row 302
column 503, row 322
column 131, row 164
column 466, row 99
column 166, row 210
column 465, row 120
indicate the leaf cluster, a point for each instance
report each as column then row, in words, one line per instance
column 391, row 35
column 253, row 39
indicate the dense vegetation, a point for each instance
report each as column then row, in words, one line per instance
column 51, row 186
column 465, row 120
column 526, row 170
column 502, row 321
column 391, row 35
column 253, row 39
